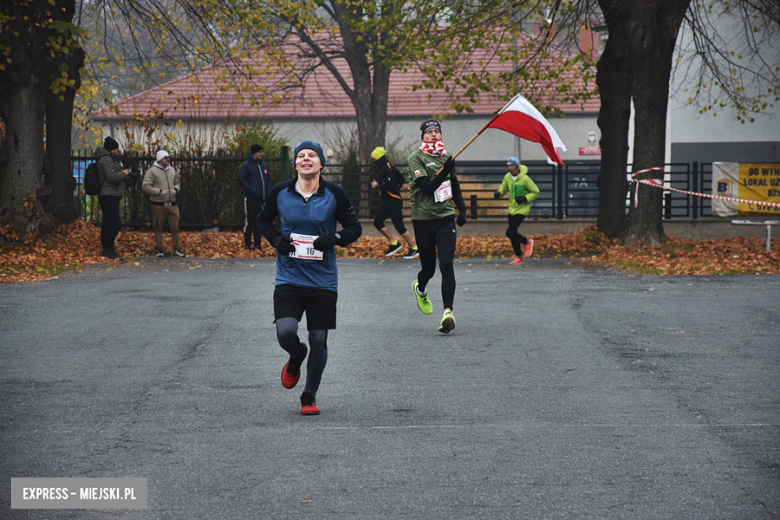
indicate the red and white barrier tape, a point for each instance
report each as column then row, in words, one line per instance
column 658, row 183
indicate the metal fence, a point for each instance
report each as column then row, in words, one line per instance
column 211, row 197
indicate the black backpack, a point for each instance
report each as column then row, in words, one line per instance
column 92, row 184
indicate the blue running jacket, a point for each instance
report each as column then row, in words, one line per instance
column 317, row 216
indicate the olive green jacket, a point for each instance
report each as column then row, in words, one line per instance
column 110, row 173
column 423, row 206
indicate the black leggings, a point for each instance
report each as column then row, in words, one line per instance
column 395, row 212
column 517, row 240
column 434, row 236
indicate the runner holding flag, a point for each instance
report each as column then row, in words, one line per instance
column 432, row 183
column 433, row 188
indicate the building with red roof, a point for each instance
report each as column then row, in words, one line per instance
column 317, row 108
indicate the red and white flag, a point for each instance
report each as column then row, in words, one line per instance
column 521, row 118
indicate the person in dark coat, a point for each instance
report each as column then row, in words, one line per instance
column 112, row 178
column 253, row 176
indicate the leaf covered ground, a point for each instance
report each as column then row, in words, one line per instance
column 31, row 258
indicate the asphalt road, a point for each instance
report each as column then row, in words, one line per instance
column 563, row 392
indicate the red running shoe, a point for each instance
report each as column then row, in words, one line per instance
column 308, row 405
column 528, row 249
column 516, row 260
column 291, row 372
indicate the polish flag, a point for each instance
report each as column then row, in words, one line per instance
column 520, row 118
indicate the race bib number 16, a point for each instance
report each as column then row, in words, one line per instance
column 304, row 247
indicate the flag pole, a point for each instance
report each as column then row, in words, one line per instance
column 466, row 145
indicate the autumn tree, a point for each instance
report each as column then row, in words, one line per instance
column 452, row 43
column 41, row 59
column 151, row 40
column 642, row 52
column 39, row 54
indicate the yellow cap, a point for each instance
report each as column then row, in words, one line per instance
column 378, row 153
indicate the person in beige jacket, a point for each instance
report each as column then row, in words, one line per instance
column 162, row 183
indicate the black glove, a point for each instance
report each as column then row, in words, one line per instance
column 324, row 242
column 461, row 219
column 284, row 245
column 520, row 199
column 449, row 164
column 497, row 194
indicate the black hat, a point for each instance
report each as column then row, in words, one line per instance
column 429, row 123
column 109, row 144
column 255, row 148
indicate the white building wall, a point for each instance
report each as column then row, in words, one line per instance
column 708, row 137
column 402, row 133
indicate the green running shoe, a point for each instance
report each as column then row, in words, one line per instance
column 447, row 322
column 423, row 302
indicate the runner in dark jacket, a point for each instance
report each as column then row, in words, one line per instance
column 306, row 273
column 389, row 182
column 253, row 176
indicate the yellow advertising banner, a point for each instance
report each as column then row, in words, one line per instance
column 761, row 183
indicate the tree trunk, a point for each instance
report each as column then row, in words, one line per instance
column 22, row 157
column 369, row 95
column 614, row 81
column 58, row 174
column 369, row 98
column 27, row 30
column 653, row 27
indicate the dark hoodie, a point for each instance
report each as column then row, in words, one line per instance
column 253, row 176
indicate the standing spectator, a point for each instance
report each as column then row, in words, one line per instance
column 306, row 272
column 433, row 217
column 253, row 176
column 163, row 183
column 389, row 182
column 522, row 191
column 112, row 178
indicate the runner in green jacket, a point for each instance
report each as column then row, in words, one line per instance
column 522, row 191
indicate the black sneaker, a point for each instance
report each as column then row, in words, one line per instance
column 160, row 253
column 248, row 248
column 179, row 253
column 394, row 248
column 291, row 372
column 412, row 253
column 109, row 253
